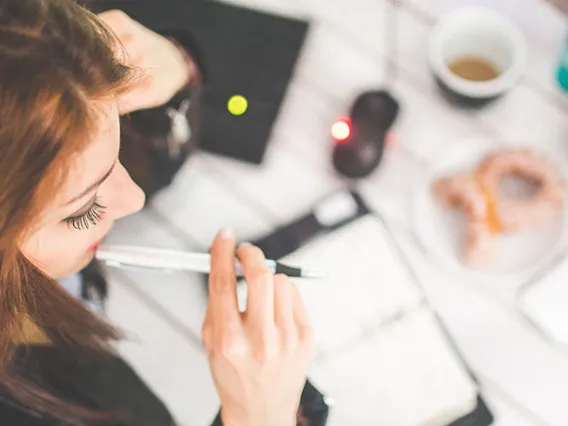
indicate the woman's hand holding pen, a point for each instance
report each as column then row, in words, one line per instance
column 258, row 358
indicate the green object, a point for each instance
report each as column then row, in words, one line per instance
column 562, row 70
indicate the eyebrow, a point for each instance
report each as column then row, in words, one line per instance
column 93, row 186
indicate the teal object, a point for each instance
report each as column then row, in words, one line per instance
column 562, row 70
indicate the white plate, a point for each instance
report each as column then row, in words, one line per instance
column 441, row 230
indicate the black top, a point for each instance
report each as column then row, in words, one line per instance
column 99, row 382
column 104, row 384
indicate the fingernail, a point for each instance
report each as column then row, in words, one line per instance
column 245, row 244
column 227, row 233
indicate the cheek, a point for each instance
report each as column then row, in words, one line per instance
column 58, row 251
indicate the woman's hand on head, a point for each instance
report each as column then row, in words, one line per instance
column 164, row 69
column 258, row 358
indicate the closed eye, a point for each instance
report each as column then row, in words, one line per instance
column 90, row 217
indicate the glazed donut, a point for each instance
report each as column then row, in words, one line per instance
column 461, row 192
column 480, row 243
column 520, row 213
column 489, row 211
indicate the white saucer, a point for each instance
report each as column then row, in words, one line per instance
column 441, row 230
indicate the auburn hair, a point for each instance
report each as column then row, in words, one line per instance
column 56, row 59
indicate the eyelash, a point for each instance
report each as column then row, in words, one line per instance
column 90, row 217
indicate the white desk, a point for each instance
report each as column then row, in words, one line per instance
column 524, row 378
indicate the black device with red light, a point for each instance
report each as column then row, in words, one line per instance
column 360, row 139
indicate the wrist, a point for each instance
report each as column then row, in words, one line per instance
column 241, row 418
column 187, row 66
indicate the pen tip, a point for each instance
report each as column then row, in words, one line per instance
column 313, row 273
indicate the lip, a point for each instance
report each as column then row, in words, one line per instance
column 95, row 245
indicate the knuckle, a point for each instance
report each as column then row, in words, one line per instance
column 206, row 328
column 250, row 251
column 307, row 334
column 227, row 344
column 219, row 280
column 248, row 248
column 281, row 280
column 260, row 274
column 265, row 351
column 290, row 342
column 206, row 333
column 206, row 341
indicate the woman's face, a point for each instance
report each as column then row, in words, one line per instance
column 98, row 191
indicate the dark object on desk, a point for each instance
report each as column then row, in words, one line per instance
column 370, row 120
column 481, row 416
column 293, row 235
column 245, row 52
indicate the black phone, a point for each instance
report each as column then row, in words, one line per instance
column 329, row 213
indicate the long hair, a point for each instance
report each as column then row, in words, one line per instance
column 56, row 57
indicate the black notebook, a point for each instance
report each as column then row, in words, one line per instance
column 245, row 52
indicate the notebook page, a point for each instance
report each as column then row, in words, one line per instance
column 366, row 282
column 408, row 373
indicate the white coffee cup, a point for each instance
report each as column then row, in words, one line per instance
column 476, row 32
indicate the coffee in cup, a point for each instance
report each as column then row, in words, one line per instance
column 476, row 55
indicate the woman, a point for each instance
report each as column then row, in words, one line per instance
column 62, row 89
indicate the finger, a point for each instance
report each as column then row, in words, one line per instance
column 301, row 317
column 283, row 303
column 222, row 306
column 260, row 284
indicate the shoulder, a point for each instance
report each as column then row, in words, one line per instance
column 14, row 414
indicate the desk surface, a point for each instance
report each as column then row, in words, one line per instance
column 524, row 377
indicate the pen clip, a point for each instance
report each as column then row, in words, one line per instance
column 129, row 267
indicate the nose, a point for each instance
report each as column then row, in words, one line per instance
column 128, row 197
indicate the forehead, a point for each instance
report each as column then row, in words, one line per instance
column 87, row 166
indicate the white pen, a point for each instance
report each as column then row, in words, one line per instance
column 135, row 257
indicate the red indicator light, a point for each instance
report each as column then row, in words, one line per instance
column 341, row 130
